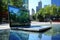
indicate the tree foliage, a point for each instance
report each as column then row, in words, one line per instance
column 48, row 11
column 17, row 3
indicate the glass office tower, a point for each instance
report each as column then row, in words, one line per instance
column 18, row 13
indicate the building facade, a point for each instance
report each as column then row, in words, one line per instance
column 33, row 11
column 39, row 6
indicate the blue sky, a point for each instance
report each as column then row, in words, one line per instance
column 34, row 3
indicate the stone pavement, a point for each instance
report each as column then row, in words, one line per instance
column 43, row 23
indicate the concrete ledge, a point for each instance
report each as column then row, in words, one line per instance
column 4, row 26
column 35, row 29
column 40, row 28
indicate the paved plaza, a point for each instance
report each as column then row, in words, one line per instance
column 6, row 26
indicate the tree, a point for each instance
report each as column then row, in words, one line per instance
column 58, row 12
column 17, row 3
column 47, row 12
column 5, row 5
column 53, row 10
column 13, row 17
column 34, row 17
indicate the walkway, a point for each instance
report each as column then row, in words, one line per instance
column 6, row 26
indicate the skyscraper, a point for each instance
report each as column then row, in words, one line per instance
column 55, row 2
column 33, row 11
column 39, row 6
column 45, row 5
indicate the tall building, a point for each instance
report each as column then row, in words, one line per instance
column 55, row 2
column 39, row 6
column 45, row 5
column 33, row 11
column 25, row 3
